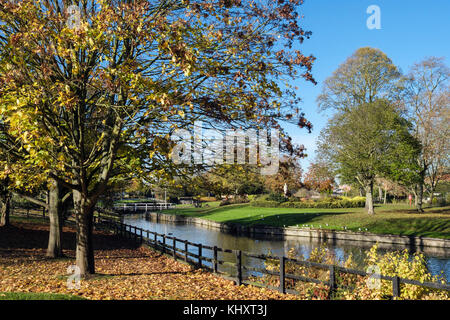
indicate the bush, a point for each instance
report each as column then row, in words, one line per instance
column 235, row 200
column 265, row 203
column 276, row 197
column 329, row 203
column 355, row 287
column 400, row 264
column 208, row 199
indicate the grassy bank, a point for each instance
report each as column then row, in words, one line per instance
column 37, row 296
column 396, row 219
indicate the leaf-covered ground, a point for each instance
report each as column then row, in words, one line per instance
column 124, row 271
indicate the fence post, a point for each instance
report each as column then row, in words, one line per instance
column 200, row 255
column 282, row 275
column 174, row 248
column 333, row 284
column 164, row 244
column 156, row 239
column 215, row 259
column 396, row 287
column 186, row 250
column 239, row 267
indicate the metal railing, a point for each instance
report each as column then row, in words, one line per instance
column 143, row 207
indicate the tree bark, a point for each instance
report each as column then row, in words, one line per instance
column 5, row 209
column 419, row 197
column 385, row 196
column 369, row 198
column 84, row 220
column 55, row 211
column 5, row 202
column 432, row 195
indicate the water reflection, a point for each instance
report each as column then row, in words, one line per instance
column 437, row 259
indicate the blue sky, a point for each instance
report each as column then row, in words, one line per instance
column 410, row 31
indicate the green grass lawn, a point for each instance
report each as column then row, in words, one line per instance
column 37, row 296
column 397, row 219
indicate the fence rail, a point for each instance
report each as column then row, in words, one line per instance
column 143, row 207
column 161, row 242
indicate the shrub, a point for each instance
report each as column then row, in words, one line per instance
column 207, row 199
column 252, row 197
column 355, row 287
column 265, row 203
column 235, row 200
column 276, row 197
column 329, row 203
column 400, row 264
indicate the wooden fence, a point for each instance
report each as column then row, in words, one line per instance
column 168, row 244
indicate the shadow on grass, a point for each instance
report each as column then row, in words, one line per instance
column 284, row 219
column 424, row 227
column 435, row 210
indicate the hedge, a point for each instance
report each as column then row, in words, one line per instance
column 334, row 203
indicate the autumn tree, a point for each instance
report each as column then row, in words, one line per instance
column 391, row 187
column 23, row 181
column 289, row 173
column 427, row 97
column 84, row 86
column 319, row 177
column 232, row 179
column 6, row 159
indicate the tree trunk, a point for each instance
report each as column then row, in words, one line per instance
column 84, row 219
column 432, row 195
column 419, row 197
column 55, row 211
column 5, row 209
column 369, row 198
column 385, row 196
column 380, row 194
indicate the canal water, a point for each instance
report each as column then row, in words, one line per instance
column 438, row 260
